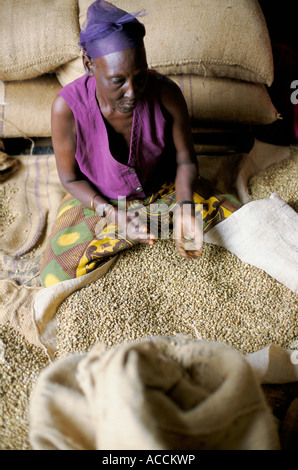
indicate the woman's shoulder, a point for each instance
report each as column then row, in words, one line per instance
column 163, row 84
column 70, row 98
column 170, row 91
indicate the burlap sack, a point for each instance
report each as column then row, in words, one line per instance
column 153, row 394
column 225, row 99
column 26, row 108
column 30, row 199
column 69, row 72
column 226, row 38
column 210, row 98
column 33, row 194
column 263, row 233
column 37, row 36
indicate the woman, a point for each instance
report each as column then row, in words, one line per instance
column 122, row 141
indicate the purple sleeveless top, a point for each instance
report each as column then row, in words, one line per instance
column 151, row 159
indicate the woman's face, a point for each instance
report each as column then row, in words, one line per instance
column 121, row 78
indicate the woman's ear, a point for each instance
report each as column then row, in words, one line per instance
column 88, row 64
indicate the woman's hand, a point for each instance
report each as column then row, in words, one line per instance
column 130, row 224
column 188, row 232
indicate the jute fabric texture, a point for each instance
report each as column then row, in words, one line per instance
column 30, row 199
column 26, row 108
column 37, row 36
column 155, row 394
column 264, row 234
column 221, row 99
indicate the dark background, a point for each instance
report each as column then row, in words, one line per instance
column 282, row 22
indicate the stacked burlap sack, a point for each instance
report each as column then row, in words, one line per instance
column 36, row 38
column 219, row 53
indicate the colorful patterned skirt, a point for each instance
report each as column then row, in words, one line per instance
column 81, row 240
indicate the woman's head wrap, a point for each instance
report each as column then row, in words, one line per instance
column 108, row 29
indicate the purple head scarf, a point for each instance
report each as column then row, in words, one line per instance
column 108, row 29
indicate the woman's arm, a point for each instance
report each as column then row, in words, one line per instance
column 186, row 225
column 187, row 168
column 64, row 144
